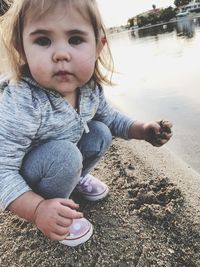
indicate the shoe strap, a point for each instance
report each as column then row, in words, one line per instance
column 85, row 180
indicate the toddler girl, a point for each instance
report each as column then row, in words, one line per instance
column 55, row 121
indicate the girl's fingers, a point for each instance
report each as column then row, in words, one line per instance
column 55, row 236
column 64, row 222
column 69, row 213
column 161, row 139
column 167, row 124
column 166, row 136
column 61, row 231
column 69, row 203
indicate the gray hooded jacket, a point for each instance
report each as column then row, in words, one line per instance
column 31, row 115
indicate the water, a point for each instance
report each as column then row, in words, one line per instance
column 158, row 77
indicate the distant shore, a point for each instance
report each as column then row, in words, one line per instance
column 124, row 28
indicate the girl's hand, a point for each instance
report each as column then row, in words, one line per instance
column 157, row 133
column 54, row 216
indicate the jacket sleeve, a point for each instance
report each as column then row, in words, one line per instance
column 117, row 122
column 19, row 122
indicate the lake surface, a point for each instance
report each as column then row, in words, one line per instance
column 159, row 77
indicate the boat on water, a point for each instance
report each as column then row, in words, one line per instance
column 192, row 7
column 188, row 9
column 183, row 14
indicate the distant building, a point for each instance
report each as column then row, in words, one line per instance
column 191, row 7
column 151, row 11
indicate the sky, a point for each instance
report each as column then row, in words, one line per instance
column 117, row 12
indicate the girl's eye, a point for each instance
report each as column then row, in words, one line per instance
column 75, row 40
column 43, row 41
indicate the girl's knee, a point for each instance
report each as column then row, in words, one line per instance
column 101, row 132
column 67, row 156
column 53, row 169
column 97, row 141
column 50, row 158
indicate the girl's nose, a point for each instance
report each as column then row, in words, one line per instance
column 61, row 55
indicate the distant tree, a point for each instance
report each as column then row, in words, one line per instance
column 131, row 22
column 142, row 21
column 167, row 14
column 163, row 15
column 154, row 7
column 153, row 18
column 179, row 3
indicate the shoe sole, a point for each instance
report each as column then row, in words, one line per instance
column 96, row 197
column 73, row 242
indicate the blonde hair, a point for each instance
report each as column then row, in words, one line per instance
column 11, row 29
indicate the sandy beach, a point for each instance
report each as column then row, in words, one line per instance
column 151, row 217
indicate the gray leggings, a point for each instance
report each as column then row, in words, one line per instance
column 53, row 169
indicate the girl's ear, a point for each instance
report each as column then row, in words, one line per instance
column 103, row 40
column 100, row 46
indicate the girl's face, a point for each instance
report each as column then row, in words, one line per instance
column 60, row 49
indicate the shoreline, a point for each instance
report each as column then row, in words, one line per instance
column 163, row 160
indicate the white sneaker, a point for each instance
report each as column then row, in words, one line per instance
column 79, row 232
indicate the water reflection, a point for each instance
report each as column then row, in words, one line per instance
column 184, row 27
column 155, row 30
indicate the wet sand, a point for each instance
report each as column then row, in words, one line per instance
column 150, row 218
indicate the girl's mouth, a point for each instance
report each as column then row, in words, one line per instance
column 63, row 75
